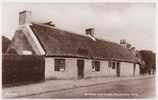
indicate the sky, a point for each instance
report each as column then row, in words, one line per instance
column 134, row 22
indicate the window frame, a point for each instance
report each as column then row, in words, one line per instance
column 113, row 64
column 96, row 65
column 59, row 64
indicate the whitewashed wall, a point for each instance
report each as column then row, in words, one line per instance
column 69, row 73
column 87, row 68
column 126, row 69
column 137, row 70
column 71, row 69
column 104, row 69
column 108, row 70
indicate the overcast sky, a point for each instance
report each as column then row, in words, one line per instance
column 112, row 21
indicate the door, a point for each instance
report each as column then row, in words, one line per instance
column 80, row 65
column 118, row 69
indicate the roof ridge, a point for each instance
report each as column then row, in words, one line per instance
column 74, row 33
column 59, row 29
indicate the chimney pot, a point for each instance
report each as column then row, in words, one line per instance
column 90, row 31
column 24, row 17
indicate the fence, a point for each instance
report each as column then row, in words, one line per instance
column 20, row 69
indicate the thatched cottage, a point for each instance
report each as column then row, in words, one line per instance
column 69, row 55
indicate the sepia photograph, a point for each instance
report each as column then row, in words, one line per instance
column 79, row 50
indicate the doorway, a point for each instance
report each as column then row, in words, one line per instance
column 80, row 65
column 118, row 69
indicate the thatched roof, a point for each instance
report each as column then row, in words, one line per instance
column 58, row 42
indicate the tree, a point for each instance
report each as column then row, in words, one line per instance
column 5, row 43
column 149, row 59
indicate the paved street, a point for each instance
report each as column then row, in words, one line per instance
column 121, row 89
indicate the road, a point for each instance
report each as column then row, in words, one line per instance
column 144, row 88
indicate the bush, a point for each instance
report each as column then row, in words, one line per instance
column 18, row 69
column 150, row 63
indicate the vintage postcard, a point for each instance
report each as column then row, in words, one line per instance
column 79, row 50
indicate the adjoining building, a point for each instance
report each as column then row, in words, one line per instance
column 69, row 55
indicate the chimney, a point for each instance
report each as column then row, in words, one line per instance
column 123, row 43
column 24, row 17
column 90, row 33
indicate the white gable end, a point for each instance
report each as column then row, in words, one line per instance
column 36, row 41
column 32, row 39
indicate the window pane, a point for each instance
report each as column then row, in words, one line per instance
column 113, row 65
column 97, row 66
column 59, row 64
column 62, row 64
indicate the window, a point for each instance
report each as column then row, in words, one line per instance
column 112, row 64
column 96, row 65
column 59, row 64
